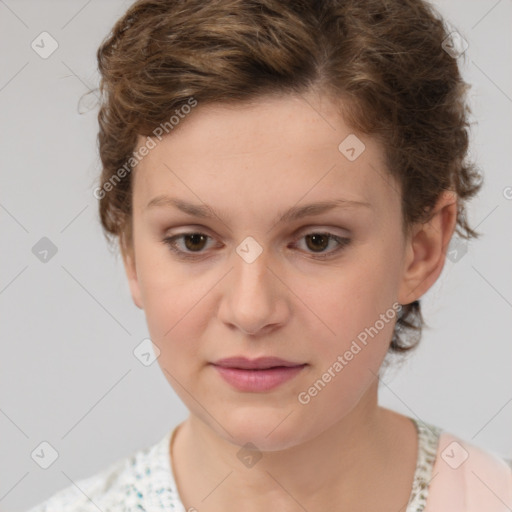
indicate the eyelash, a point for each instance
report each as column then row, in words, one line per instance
column 170, row 242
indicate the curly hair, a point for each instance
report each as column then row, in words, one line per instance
column 383, row 61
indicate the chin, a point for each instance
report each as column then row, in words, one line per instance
column 268, row 431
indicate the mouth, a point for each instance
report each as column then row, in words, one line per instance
column 261, row 363
column 257, row 375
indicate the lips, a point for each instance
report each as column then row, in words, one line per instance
column 261, row 363
column 257, row 375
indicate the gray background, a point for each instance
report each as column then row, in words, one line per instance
column 68, row 374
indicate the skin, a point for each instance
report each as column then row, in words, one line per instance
column 250, row 163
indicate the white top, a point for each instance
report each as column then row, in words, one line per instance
column 144, row 481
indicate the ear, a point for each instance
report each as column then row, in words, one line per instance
column 128, row 254
column 426, row 249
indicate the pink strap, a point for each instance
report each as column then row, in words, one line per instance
column 466, row 478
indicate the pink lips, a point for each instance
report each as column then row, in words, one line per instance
column 261, row 374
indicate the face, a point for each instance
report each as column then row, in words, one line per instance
column 252, row 280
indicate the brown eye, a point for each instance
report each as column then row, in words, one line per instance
column 191, row 245
column 317, row 244
column 187, row 245
column 194, row 241
column 318, row 241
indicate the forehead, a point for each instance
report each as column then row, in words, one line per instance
column 272, row 151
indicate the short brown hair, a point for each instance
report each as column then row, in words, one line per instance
column 384, row 58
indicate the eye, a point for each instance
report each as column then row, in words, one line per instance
column 319, row 241
column 194, row 242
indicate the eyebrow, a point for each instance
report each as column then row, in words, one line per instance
column 294, row 213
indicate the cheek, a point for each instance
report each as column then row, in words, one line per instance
column 358, row 306
column 350, row 296
column 173, row 304
column 356, row 318
column 175, row 317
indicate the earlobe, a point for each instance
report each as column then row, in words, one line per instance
column 426, row 249
column 131, row 274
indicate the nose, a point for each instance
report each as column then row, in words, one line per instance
column 254, row 299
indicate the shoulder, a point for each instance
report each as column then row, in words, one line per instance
column 88, row 493
column 111, row 487
column 123, row 485
column 467, row 478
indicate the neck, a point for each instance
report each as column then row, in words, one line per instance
column 337, row 466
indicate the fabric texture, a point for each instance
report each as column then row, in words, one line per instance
column 466, row 478
column 451, row 476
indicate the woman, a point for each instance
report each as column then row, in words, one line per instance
column 283, row 180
